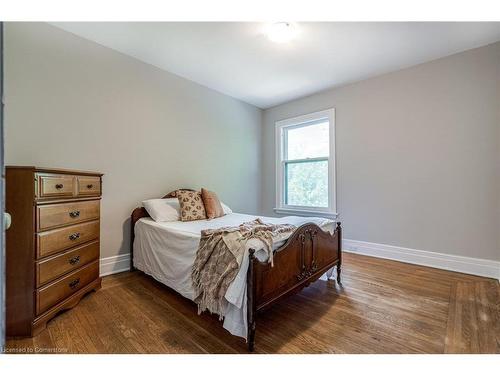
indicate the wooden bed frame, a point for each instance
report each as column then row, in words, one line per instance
column 307, row 254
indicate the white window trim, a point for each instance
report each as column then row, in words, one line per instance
column 281, row 208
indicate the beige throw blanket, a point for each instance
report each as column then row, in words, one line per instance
column 219, row 258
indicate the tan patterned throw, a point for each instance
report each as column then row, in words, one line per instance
column 219, row 259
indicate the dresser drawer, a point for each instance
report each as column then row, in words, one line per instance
column 56, row 215
column 56, row 240
column 53, row 185
column 58, row 290
column 51, row 268
column 89, row 186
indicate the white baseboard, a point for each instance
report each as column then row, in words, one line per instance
column 116, row 264
column 474, row 266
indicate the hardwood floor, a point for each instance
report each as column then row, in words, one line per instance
column 382, row 307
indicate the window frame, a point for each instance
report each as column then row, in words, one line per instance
column 281, row 162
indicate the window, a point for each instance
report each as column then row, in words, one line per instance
column 305, row 150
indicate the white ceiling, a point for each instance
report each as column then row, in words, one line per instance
column 237, row 59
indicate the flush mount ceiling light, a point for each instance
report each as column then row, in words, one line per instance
column 281, row 32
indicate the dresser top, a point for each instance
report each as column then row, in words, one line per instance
column 54, row 170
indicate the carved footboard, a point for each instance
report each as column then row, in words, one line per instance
column 306, row 255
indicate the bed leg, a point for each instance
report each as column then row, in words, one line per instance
column 251, row 301
column 251, row 336
column 339, row 244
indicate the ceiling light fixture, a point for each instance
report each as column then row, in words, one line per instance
column 281, row 32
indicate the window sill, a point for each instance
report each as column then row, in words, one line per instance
column 289, row 211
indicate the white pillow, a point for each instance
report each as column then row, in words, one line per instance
column 226, row 209
column 163, row 209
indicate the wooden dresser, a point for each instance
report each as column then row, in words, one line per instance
column 52, row 257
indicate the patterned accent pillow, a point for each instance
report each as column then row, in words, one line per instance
column 191, row 205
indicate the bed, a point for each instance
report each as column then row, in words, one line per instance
column 167, row 250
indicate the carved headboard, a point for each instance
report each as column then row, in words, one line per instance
column 139, row 213
column 173, row 194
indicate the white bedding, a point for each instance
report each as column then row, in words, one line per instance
column 167, row 251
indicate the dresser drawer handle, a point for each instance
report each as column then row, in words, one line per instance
column 74, row 214
column 59, row 186
column 75, row 260
column 90, row 186
column 74, row 283
column 74, row 236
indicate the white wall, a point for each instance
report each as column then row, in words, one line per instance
column 418, row 155
column 418, row 150
column 71, row 103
